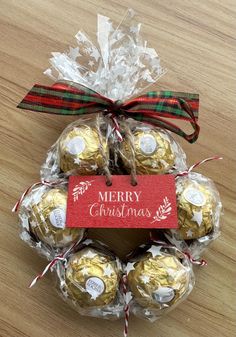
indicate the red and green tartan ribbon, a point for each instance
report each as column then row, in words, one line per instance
column 155, row 107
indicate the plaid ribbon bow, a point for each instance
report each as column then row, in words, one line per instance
column 155, row 107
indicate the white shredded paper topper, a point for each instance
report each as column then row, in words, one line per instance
column 120, row 66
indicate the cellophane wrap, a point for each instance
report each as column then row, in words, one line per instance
column 81, row 149
column 90, row 280
column 148, row 150
column 159, row 277
column 42, row 217
column 209, row 213
column 119, row 65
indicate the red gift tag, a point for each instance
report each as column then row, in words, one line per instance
column 149, row 204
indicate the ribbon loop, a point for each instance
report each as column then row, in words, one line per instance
column 155, row 107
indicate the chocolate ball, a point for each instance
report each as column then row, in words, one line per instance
column 198, row 206
column 47, row 219
column 84, row 149
column 153, row 150
column 158, row 279
column 92, row 278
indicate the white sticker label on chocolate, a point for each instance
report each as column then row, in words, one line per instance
column 194, row 196
column 58, row 218
column 95, row 287
column 164, row 294
column 148, row 144
column 76, row 145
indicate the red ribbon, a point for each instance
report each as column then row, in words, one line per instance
column 155, row 108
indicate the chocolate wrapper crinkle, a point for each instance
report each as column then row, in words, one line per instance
column 159, row 277
column 81, row 149
column 90, row 281
column 42, row 220
column 150, row 150
column 199, row 210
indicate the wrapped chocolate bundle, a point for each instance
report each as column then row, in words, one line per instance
column 42, row 216
column 149, row 150
column 199, row 209
column 159, row 277
column 81, row 149
column 116, row 132
column 100, row 84
column 90, row 281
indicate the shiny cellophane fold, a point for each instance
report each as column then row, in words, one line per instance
column 119, row 65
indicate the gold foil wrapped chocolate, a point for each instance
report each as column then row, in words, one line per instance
column 197, row 204
column 152, row 150
column 158, row 279
column 83, row 148
column 92, row 278
column 48, row 217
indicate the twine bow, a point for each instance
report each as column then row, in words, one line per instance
column 155, row 107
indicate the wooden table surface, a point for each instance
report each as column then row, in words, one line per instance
column 196, row 41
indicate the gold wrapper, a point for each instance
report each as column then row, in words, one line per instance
column 83, row 149
column 47, row 220
column 92, row 278
column 196, row 207
column 153, row 152
column 158, row 282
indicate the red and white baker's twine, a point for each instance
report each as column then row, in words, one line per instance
column 47, row 268
column 184, row 173
column 116, row 126
column 61, row 257
column 126, row 307
column 43, row 182
column 199, row 262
